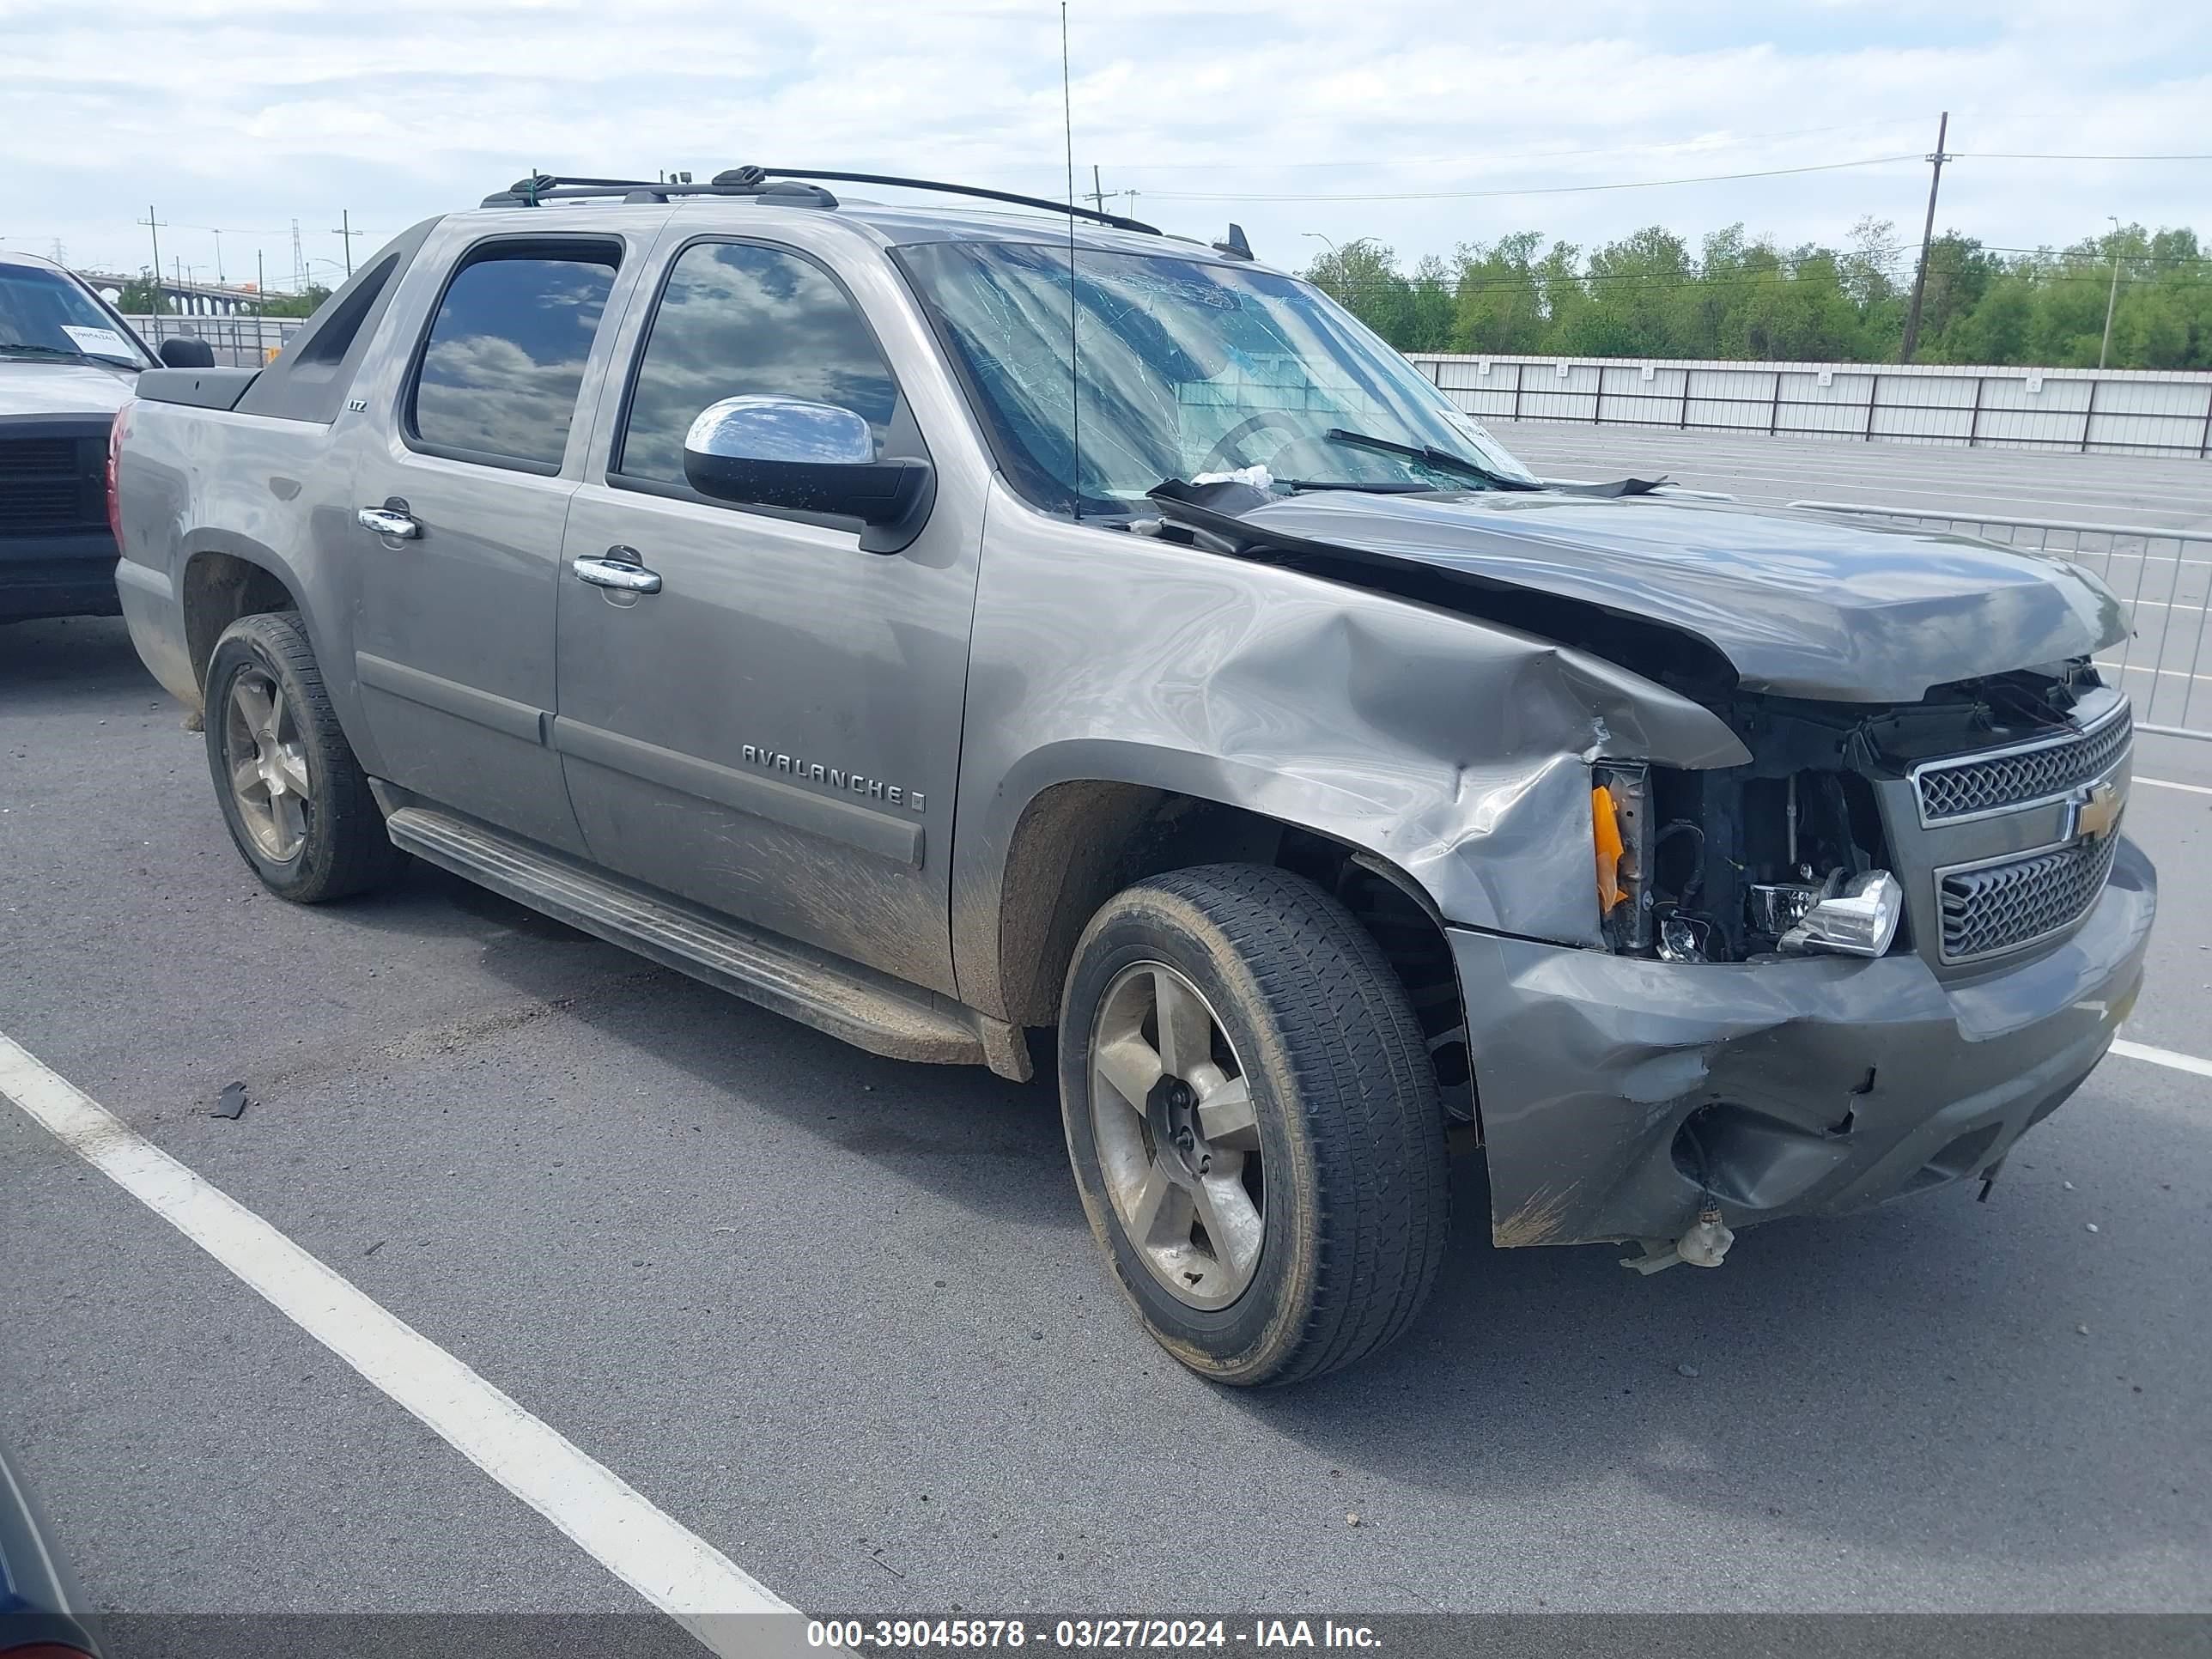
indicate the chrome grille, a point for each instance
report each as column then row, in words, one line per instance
column 1994, row 783
column 2001, row 906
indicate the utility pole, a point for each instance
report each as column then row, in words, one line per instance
column 1927, row 238
column 346, row 231
column 299, row 262
column 154, row 226
column 2112, row 299
column 1097, row 189
column 260, row 281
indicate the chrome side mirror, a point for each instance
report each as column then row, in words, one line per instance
column 806, row 458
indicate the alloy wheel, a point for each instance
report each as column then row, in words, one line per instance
column 1172, row 1116
column 268, row 765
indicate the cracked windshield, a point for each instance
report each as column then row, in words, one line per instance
column 1191, row 370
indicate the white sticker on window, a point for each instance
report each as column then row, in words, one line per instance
column 101, row 341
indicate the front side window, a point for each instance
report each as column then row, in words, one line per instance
column 44, row 313
column 740, row 320
column 506, row 354
column 1185, row 367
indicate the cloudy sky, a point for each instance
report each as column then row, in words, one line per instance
column 1411, row 122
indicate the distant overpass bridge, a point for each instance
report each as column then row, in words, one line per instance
column 185, row 299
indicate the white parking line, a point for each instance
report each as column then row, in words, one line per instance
column 2137, row 668
column 673, row 1568
column 2162, row 1057
column 2168, row 783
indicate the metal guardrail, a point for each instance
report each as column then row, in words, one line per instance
column 239, row 342
column 2163, row 576
column 2086, row 411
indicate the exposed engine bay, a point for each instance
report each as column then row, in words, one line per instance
column 1720, row 866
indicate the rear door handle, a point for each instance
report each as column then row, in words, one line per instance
column 389, row 522
column 618, row 569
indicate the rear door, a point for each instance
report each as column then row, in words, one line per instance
column 775, row 732
column 454, row 527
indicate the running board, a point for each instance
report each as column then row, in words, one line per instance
column 868, row 1010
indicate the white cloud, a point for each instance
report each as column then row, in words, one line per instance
column 248, row 116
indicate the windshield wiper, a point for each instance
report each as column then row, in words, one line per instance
column 1356, row 486
column 44, row 350
column 1429, row 455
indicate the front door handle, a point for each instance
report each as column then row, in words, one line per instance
column 624, row 574
column 389, row 522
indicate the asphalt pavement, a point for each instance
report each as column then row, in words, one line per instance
column 842, row 1319
column 2157, row 492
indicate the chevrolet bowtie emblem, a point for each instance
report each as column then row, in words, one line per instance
column 2096, row 811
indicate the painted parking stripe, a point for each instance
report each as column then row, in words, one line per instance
column 671, row 1567
column 2168, row 783
column 2162, row 1057
column 2137, row 668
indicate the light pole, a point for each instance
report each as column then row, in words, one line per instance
column 1318, row 237
column 2113, row 298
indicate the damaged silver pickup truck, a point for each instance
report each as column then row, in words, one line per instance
column 940, row 625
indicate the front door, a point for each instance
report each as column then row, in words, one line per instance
column 774, row 733
column 455, row 526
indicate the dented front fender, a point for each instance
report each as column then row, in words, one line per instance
column 1455, row 749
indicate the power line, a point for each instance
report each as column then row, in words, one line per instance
column 2034, row 155
column 1543, row 189
column 1729, row 141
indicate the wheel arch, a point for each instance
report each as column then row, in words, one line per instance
column 224, row 577
column 1077, row 841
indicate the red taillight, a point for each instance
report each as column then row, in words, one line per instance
column 115, row 432
column 44, row 1651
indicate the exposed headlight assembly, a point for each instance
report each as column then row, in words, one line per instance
column 1621, row 827
column 1854, row 916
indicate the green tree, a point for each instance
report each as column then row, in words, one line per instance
column 1738, row 296
column 1996, row 329
column 1497, row 302
column 305, row 303
column 1958, row 274
column 142, row 297
column 1362, row 277
column 1434, row 299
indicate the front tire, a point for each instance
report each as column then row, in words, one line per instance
column 1253, row 1123
column 296, row 799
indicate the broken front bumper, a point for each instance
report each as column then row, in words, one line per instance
column 1614, row 1091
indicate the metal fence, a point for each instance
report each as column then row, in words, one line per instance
column 2149, row 412
column 239, row 342
column 2163, row 576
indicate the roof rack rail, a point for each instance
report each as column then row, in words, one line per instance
column 786, row 184
column 752, row 174
column 542, row 188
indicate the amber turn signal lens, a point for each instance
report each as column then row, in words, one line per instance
column 1605, row 825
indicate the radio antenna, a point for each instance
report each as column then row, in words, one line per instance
column 1074, row 371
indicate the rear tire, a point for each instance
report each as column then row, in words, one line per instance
column 297, row 802
column 1238, row 1059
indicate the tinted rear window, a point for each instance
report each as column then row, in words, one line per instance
column 506, row 354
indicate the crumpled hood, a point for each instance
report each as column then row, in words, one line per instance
column 1800, row 605
column 62, row 387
